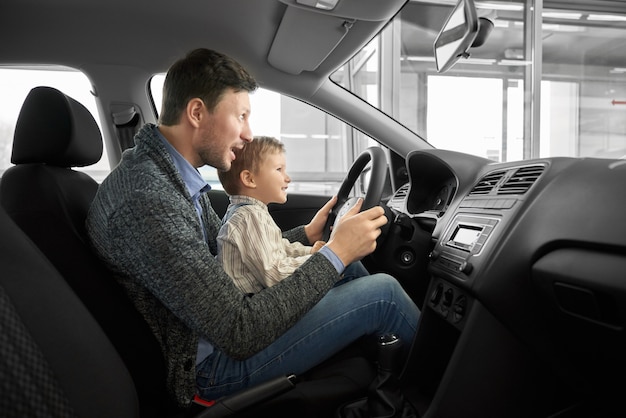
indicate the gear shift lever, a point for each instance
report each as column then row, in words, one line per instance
column 389, row 353
column 385, row 398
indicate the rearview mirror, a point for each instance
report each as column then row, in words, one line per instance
column 457, row 35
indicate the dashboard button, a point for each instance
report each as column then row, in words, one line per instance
column 436, row 295
column 459, row 308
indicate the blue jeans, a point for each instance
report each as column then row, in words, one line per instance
column 371, row 305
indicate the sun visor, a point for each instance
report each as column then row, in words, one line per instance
column 317, row 35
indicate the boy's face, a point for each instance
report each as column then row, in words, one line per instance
column 271, row 179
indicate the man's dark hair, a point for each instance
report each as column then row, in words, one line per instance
column 203, row 74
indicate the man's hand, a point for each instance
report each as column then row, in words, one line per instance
column 355, row 235
column 315, row 229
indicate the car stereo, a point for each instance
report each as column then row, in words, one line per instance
column 466, row 236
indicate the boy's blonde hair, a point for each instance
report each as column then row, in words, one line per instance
column 248, row 158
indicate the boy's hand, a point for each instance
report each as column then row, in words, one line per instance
column 317, row 246
column 315, row 229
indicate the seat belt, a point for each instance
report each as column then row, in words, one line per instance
column 127, row 122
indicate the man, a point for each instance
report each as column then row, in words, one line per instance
column 152, row 223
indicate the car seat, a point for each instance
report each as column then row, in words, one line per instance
column 55, row 361
column 49, row 201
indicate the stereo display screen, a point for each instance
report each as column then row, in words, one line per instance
column 465, row 236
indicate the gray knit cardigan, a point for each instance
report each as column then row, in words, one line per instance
column 143, row 224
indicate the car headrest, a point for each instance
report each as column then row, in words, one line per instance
column 55, row 129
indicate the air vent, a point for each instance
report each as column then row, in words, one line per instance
column 399, row 197
column 521, row 180
column 487, row 183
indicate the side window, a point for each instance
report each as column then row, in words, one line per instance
column 319, row 148
column 15, row 83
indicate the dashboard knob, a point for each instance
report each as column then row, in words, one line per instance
column 466, row 267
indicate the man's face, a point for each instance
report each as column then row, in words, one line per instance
column 224, row 129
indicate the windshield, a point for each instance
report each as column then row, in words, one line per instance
column 549, row 81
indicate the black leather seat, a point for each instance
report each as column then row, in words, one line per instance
column 49, row 201
column 55, row 361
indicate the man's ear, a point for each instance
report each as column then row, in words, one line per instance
column 194, row 111
column 247, row 179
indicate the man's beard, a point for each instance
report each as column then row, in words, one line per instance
column 215, row 159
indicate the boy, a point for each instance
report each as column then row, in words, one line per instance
column 250, row 245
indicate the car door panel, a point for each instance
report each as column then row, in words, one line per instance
column 298, row 210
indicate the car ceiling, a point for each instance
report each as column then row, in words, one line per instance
column 120, row 44
column 111, row 33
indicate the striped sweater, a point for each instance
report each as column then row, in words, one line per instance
column 143, row 224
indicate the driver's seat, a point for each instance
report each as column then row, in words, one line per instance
column 48, row 200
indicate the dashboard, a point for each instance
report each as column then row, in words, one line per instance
column 523, row 267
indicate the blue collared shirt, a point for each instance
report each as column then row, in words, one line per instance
column 196, row 186
column 333, row 258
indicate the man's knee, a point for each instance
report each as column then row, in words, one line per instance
column 386, row 282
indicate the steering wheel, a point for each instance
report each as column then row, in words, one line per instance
column 374, row 190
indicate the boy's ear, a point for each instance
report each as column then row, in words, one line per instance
column 247, row 179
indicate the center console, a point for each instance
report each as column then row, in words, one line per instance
column 461, row 340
